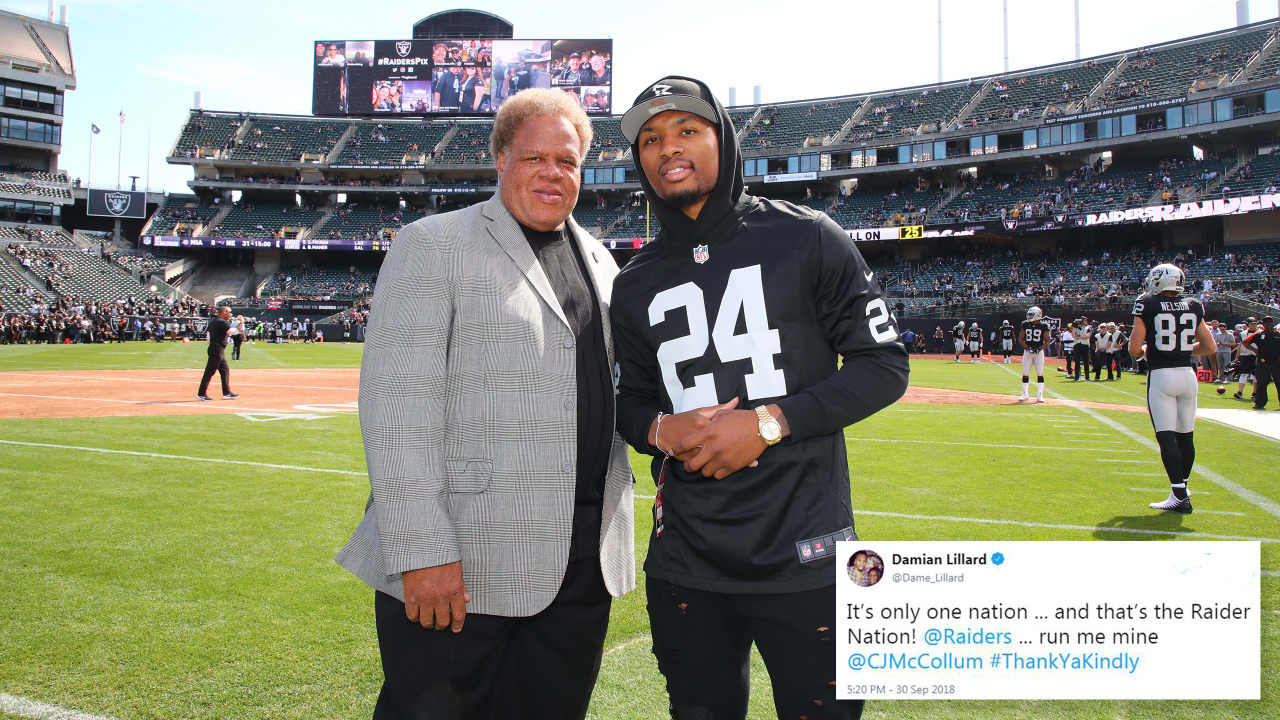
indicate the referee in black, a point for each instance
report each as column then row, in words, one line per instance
column 1265, row 342
column 217, row 334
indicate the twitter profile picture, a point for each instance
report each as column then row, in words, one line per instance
column 865, row 568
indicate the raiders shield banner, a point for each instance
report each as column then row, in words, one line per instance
column 117, row 204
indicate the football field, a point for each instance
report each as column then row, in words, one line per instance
column 165, row 558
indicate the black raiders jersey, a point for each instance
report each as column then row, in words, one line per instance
column 762, row 315
column 957, row 332
column 1036, row 334
column 1006, row 333
column 975, row 334
column 1171, row 328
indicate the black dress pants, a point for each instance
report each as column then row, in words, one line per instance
column 1082, row 360
column 541, row 667
column 217, row 363
column 702, row 641
column 1266, row 373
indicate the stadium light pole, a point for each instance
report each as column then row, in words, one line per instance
column 88, row 175
column 939, row 40
column 1077, row 29
column 1006, row 35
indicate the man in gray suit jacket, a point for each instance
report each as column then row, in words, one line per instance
column 501, row 495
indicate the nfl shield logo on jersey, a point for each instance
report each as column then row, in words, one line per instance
column 701, row 254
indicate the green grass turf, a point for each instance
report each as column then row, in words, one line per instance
column 158, row 588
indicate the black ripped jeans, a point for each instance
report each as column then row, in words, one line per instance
column 702, row 641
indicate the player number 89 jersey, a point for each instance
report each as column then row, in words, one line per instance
column 1035, row 333
column 1171, row 328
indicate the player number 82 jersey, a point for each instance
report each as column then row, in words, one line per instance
column 1171, row 328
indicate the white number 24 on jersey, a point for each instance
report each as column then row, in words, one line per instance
column 744, row 294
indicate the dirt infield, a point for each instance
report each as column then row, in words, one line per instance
column 132, row 393
column 266, row 394
column 935, row 396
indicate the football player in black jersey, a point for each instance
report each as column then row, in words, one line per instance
column 1170, row 330
column 730, row 328
column 1033, row 336
column 1006, row 340
column 975, row 343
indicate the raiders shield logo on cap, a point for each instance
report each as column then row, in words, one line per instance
column 701, row 254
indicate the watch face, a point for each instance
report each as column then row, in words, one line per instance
column 770, row 430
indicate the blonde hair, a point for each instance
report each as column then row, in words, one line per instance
column 537, row 102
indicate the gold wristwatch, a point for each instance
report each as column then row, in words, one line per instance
column 770, row 431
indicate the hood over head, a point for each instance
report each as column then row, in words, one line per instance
column 675, row 92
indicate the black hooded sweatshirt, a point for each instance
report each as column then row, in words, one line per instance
column 756, row 299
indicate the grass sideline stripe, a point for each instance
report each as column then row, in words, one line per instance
column 1052, row 526
column 360, row 473
column 1250, row 496
column 22, row 707
column 993, row 445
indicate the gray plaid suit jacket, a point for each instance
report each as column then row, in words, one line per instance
column 467, row 393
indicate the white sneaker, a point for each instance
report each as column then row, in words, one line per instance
column 1022, row 397
column 1039, row 398
column 1173, row 504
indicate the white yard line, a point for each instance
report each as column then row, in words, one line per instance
column 22, row 707
column 1196, row 493
column 225, row 461
column 1250, row 496
column 993, row 445
column 623, row 645
column 1052, row 526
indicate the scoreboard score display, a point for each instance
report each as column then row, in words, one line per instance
column 455, row 77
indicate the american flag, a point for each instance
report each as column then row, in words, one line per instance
column 121, row 116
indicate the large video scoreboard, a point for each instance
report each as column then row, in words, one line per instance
column 455, row 77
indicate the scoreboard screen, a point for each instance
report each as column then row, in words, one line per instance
column 455, row 77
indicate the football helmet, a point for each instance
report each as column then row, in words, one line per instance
column 1034, row 313
column 1005, row 324
column 1162, row 278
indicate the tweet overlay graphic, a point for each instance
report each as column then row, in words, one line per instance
column 1048, row 620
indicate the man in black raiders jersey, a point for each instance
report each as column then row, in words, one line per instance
column 958, row 335
column 1033, row 336
column 1006, row 340
column 975, row 343
column 734, row 320
column 1177, row 333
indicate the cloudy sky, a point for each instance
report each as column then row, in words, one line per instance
column 149, row 57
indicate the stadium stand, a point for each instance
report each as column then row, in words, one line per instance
column 1033, row 95
column 1183, row 67
column 800, row 125
column 366, row 221
column 207, row 134
column 276, row 139
column 266, row 218
column 180, row 216
column 387, row 143
column 905, row 113
column 469, row 145
column 595, row 217
column 1260, row 175
column 607, row 138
